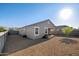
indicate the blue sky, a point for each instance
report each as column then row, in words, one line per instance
column 18, row 15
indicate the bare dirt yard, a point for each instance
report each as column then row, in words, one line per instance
column 16, row 42
column 57, row 46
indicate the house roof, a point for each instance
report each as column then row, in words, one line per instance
column 61, row 26
column 39, row 22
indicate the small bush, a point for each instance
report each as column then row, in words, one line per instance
column 2, row 29
column 25, row 36
column 45, row 36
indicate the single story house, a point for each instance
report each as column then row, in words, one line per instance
column 37, row 30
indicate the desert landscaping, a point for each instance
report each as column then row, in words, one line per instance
column 53, row 47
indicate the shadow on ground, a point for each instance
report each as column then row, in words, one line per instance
column 68, row 41
column 16, row 42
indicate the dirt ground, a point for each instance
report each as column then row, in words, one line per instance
column 17, row 42
column 52, row 47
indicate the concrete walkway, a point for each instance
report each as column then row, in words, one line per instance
column 16, row 42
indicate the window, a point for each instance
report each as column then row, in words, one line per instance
column 36, row 31
column 46, row 30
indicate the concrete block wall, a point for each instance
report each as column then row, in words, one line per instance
column 2, row 40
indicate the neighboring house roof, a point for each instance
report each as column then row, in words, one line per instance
column 61, row 26
column 38, row 23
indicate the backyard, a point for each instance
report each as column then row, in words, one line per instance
column 15, row 42
column 55, row 46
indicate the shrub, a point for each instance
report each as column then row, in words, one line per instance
column 67, row 30
column 2, row 29
column 45, row 36
column 25, row 36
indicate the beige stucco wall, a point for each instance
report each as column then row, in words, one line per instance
column 2, row 40
column 29, row 30
column 22, row 31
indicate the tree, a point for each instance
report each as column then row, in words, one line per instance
column 67, row 30
column 2, row 29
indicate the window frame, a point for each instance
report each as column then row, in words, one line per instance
column 45, row 28
column 35, row 29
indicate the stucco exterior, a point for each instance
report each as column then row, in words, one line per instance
column 22, row 31
column 2, row 40
column 29, row 30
